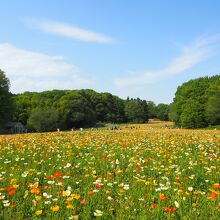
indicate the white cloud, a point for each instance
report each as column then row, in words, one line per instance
column 31, row 71
column 70, row 31
column 190, row 56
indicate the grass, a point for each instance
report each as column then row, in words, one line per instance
column 214, row 127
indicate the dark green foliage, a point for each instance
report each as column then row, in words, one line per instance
column 193, row 115
column 172, row 114
column 45, row 119
column 162, row 112
column 76, row 108
column 196, row 103
column 152, row 109
column 76, row 111
column 115, row 108
column 136, row 111
column 213, row 105
column 6, row 104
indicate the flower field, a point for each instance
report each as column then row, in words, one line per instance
column 143, row 173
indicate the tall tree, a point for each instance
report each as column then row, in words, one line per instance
column 213, row 106
column 136, row 111
column 193, row 115
column 76, row 111
column 196, row 103
column 46, row 119
column 172, row 114
column 162, row 112
column 152, row 109
column 6, row 104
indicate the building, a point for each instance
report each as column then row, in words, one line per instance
column 14, row 128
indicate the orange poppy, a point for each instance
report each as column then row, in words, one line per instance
column 162, row 197
column 216, row 186
column 35, row 191
column 90, row 193
column 8, row 189
column 166, row 209
column 138, row 168
column 213, row 195
column 57, row 175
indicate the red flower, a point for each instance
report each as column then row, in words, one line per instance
column 138, row 168
column 8, row 189
column 154, row 204
column 83, row 201
column 57, row 175
column 97, row 186
column 185, row 178
column 172, row 209
column 177, row 179
column 166, row 209
column 11, row 192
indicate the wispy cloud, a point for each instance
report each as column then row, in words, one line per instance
column 68, row 30
column 190, row 56
column 31, row 71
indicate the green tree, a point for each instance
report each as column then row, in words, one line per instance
column 25, row 103
column 172, row 114
column 152, row 109
column 192, row 103
column 135, row 111
column 162, row 112
column 99, row 103
column 213, row 106
column 115, row 108
column 43, row 119
column 76, row 111
column 145, row 109
column 6, row 103
column 193, row 115
column 23, row 107
column 186, row 94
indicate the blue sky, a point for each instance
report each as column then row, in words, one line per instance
column 137, row 48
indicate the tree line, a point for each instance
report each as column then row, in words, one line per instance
column 67, row 109
column 196, row 104
column 72, row 109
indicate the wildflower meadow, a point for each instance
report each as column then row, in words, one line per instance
column 142, row 173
